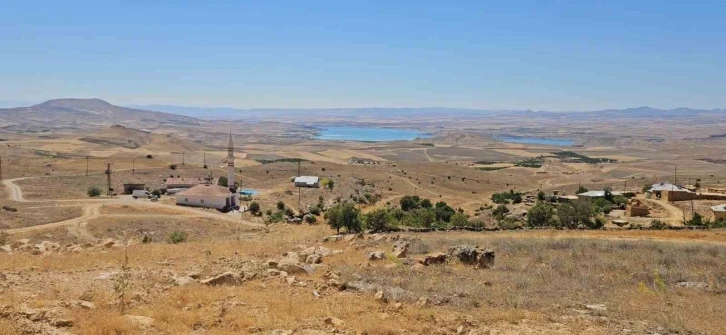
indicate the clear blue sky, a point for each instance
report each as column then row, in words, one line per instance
column 540, row 55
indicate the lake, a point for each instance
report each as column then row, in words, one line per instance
column 368, row 134
column 538, row 140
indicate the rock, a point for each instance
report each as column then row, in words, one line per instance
column 290, row 280
column 380, row 297
column 107, row 243
column 460, row 330
column 281, row 332
column 434, row 258
column 194, row 274
column 400, row 249
column 184, row 280
column 376, row 255
column 333, row 283
column 423, row 301
column 352, row 237
column 227, row 278
column 87, row 305
column 293, row 268
column 334, row 238
column 398, row 306
column 597, row 307
column 6, row 248
column 139, row 321
column 472, row 255
column 20, row 242
column 314, row 259
column 272, row 272
column 692, row 284
column 334, row 321
column 106, row 275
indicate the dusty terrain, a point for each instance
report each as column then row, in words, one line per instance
column 65, row 272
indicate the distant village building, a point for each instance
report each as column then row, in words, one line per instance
column 670, row 192
column 307, row 181
column 131, row 187
column 230, row 164
column 719, row 212
column 591, row 195
column 207, row 196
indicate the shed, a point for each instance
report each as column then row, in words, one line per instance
column 131, row 187
column 719, row 211
column 595, row 194
column 307, row 181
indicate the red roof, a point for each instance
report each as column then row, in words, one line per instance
column 206, row 190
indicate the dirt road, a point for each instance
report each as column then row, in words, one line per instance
column 91, row 210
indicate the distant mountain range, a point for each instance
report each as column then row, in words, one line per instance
column 220, row 113
column 82, row 113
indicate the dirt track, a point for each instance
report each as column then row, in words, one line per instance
column 91, row 210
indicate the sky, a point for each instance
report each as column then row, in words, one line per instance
column 538, row 55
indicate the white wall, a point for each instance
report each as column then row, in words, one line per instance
column 199, row 201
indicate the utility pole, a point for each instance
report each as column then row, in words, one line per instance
column 108, row 179
column 182, row 158
column 675, row 176
column 205, row 159
column 133, row 167
column 1, row 169
column 87, row 157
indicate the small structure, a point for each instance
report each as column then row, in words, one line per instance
column 670, row 192
column 566, row 198
column 636, row 208
column 719, row 212
column 131, row 187
column 307, row 181
column 181, row 183
column 591, row 195
column 207, row 196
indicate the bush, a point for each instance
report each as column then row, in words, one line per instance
column 146, row 239
column 500, row 211
column 541, row 215
column 541, row 196
column 172, row 166
column 93, row 191
column 289, row 212
column 516, row 199
column 696, row 220
column 598, row 223
column 311, row 219
column 459, row 220
column 581, row 189
column 315, row 210
column 280, row 206
column 409, row 203
column 177, row 237
column 254, row 207
column 157, row 193
column 223, row 181
column 658, row 224
column 277, row 217
column 149, row 156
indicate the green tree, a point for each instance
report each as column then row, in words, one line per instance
column 223, row 181
column 330, row 184
column 581, row 189
column 571, row 215
column 409, row 203
column 280, row 206
column 425, row 217
column 377, row 220
column 459, row 220
column 541, row 196
column 254, row 207
column 540, row 215
column 93, row 191
column 443, row 212
column 426, row 203
column 601, row 205
column 696, row 220
column 516, row 198
column 344, row 215
column 608, row 193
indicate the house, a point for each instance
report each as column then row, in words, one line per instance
column 591, row 195
column 719, row 212
column 131, row 187
column 207, row 196
column 181, row 183
column 662, row 188
column 307, row 181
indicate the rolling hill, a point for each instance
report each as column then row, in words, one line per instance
column 70, row 114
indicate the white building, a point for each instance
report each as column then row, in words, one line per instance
column 719, row 212
column 207, row 196
column 307, row 181
column 590, row 195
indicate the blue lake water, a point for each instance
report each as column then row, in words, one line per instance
column 537, row 140
column 368, row 134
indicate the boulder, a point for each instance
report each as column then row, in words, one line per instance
column 400, row 249
column 334, row 238
column 434, row 258
column 314, row 259
column 6, row 248
column 376, row 255
column 380, row 297
column 183, row 280
column 227, row 278
column 139, row 321
column 334, row 321
column 472, row 255
column 87, row 305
